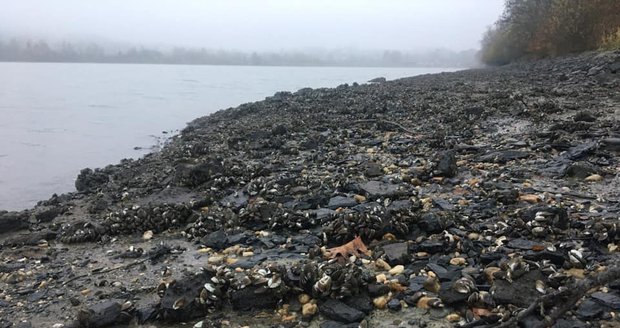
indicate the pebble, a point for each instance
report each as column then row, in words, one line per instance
column 147, row 235
column 457, row 261
column 380, row 302
column 381, row 278
column 304, row 298
column 398, row 269
column 382, row 265
column 594, row 178
column 215, row 259
column 309, row 309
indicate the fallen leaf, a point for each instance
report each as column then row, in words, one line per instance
column 354, row 247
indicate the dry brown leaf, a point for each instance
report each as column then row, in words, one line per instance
column 354, row 247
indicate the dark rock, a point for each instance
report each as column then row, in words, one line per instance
column 373, row 170
column 608, row 299
column 397, row 253
column 580, row 151
column 235, row 200
column 378, row 189
column 12, row 221
column 610, row 144
column 5, row 323
column 216, row 240
column 339, row 311
column 184, row 289
column 417, row 283
column 375, row 290
column 30, row 239
column 100, row 315
column 146, row 314
column 341, row 201
column 47, row 213
column 521, row 292
column 253, row 298
column 23, row 324
column 432, row 223
column 450, row 296
column 589, row 310
column 378, row 80
column 335, row 324
column 579, row 170
column 569, row 323
column 503, row 156
column 447, row 165
column 89, row 181
column 394, row 305
column 361, row 302
column 584, row 117
column 523, row 244
column 431, row 246
column 556, row 216
column 279, row 130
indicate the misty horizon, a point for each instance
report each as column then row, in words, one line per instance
column 247, row 26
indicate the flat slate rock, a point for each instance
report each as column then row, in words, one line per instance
column 380, row 189
column 608, row 299
column 339, row 311
column 521, row 292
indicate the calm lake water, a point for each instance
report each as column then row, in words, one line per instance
column 56, row 119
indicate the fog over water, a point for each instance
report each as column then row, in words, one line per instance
column 267, row 25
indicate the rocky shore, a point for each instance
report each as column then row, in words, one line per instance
column 453, row 199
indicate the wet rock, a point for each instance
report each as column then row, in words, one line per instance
column 432, row 223
column 216, row 240
column 431, row 246
column 377, row 80
column 504, row 156
column 23, row 324
column 394, row 305
column 375, row 290
column 336, row 324
column 253, row 298
column 446, row 167
column 373, row 170
column 580, row 170
column 89, row 181
column 523, row 244
column 339, row 311
column 610, row 299
column 12, row 221
column 360, row 302
column 611, row 144
column 378, row 189
column 101, row 315
column 521, row 292
column 570, row 323
column 584, row 116
column 397, row 253
column 589, row 310
column 341, row 201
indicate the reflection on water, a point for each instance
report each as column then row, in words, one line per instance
column 60, row 118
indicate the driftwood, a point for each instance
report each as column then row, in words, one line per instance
column 560, row 302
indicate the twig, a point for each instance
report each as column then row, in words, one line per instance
column 387, row 122
column 564, row 300
column 94, row 272
column 571, row 194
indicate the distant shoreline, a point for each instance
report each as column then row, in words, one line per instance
column 250, row 65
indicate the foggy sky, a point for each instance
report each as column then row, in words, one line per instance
column 261, row 25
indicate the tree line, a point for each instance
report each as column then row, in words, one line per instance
column 41, row 51
column 544, row 28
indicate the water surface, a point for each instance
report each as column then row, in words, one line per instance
column 59, row 118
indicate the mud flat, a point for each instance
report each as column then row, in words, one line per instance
column 453, row 199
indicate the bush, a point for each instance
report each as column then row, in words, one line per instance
column 541, row 28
